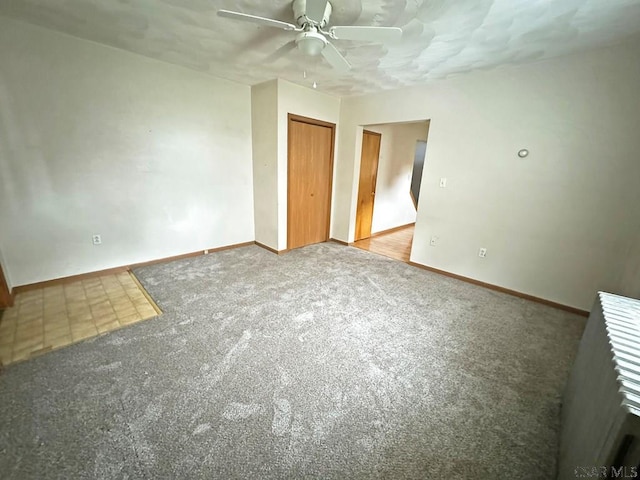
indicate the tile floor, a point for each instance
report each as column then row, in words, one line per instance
column 52, row 317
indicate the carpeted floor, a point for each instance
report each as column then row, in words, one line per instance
column 328, row 362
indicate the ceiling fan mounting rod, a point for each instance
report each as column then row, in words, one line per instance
column 306, row 12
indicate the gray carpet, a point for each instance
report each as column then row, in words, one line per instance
column 328, row 362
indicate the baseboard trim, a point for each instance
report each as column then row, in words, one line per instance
column 272, row 250
column 188, row 255
column 69, row 279
column 391, row 230
column 124, row 268
column 341, row 242
column 6, row 292
column 498, row 288
column 11, row 299
column 110, row 271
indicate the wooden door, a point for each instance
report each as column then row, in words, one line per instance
column 310, row 172
column 6, row 300
column 367, row 183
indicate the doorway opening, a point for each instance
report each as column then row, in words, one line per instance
column 391, row 165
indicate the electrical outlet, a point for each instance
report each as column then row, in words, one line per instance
column 443, row 182
column 482, row 253
column 434, row 241
column 97, row 240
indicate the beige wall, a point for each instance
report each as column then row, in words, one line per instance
column 629, row 280
column 93, row 140
column 264, row 131
column 393, row 206
column 557, row 224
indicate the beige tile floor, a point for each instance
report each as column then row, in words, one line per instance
column 49, row 318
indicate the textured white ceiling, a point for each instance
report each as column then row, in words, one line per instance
column 441, row 37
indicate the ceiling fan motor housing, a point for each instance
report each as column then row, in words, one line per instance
column 300, row 14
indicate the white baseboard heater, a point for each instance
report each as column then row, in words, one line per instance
column 600, row 429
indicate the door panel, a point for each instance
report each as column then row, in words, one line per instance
column 367, row 183
column 309, row 182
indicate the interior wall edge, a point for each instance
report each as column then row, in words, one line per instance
column 304, row 102
column 269, row 249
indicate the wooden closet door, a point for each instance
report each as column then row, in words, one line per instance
column 310, row 173
column 367, row 183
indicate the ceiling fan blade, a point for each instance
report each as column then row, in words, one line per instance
column 269, row 22
column 281, row 52
column 335, row 58
column 315, row 10
column 367, row 34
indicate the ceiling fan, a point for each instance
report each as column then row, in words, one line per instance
column 312, row 17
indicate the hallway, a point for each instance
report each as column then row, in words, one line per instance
column 395, row 244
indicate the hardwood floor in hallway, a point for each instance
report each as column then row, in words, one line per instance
column 395, row 244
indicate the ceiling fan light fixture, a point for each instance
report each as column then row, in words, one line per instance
column 311, row 17
column 311, row 43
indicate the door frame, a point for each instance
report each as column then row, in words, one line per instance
column 6, row 298
column 291, row 117
column 413, row 172
column 375, row 186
